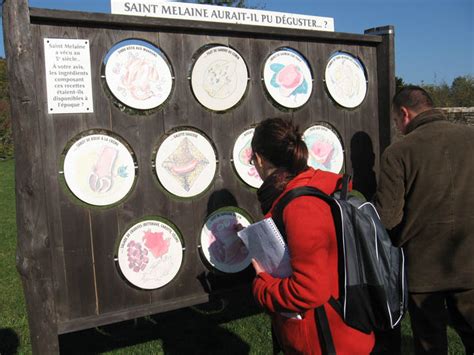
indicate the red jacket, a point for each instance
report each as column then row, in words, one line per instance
column 313, row 251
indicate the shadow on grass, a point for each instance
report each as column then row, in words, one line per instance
column 407, row 345
column 9, row 341
column 195, row 330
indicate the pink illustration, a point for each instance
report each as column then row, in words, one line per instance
column 245, row 156
column 137, row 256
column 100, row 179
column 156, row 243
column 139, row 76
column 185, row 168
column 290, row 77
column 186, row 163
column 321, row 152
column 224, row 245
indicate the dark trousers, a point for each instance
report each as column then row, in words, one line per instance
column 431, row 312
column 388, row 342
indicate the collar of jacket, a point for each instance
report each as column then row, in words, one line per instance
column 425, row 117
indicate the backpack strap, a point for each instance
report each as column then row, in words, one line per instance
column 277, row 212
column 277, row 216
column 322, row 323
column 324, row 332
column 346, row 178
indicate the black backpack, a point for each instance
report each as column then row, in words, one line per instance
column 372, row 282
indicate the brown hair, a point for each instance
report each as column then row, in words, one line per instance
column 279, row 142
column 413, row 97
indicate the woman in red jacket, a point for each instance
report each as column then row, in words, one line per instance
column 280, row 157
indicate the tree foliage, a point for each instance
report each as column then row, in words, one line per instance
column 462, row 91
column 459, row 94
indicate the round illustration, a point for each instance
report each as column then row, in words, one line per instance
column 219, row 78
column 186, row 163
column 99, row 169
column 138, row 74
column 345, row 79
column 287, row 78
column 241, row 156
column 325, row 151
column 220, row 244
column 150, row 254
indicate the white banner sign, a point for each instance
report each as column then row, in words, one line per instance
column 197, row 12
column 68, row 75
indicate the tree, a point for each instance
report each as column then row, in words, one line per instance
column 459, row 94
column 441, row 94
column 462, row 91
column 399, row 83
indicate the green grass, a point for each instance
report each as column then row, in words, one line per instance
column 237, row 328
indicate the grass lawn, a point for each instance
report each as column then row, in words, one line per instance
column 233, row 326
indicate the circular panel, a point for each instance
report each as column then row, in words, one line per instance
column 219, row 78
column 287, row 78
column 345, row 80
column 325, row 151
column 241, row 156
column 186, row 163
column 99, row 169
column 220, row 244
column 150, row 254
column 138, row 74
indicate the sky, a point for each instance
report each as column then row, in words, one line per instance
column 434, row 39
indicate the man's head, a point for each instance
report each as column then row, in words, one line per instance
column 408, row 103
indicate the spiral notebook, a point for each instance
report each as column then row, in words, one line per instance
column 266, row 245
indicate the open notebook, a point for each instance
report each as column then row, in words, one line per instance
column 266, row 245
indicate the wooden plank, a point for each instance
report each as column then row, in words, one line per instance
column 329, row 111
column 130, row 313
column 363, row 124
column 316, row 56
column 122, row 21
column 152, row 131
column 49, row 144
column 102, row 221
column 302, row 115
column 53, row 131
column 76, row 247
column 228, row 190
column 243, row 118
column 33, row 246
column 386, row 82
column 113, row 291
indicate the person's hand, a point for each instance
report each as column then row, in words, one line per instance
column 258, row 268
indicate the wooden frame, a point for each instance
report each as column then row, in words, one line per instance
column 65, row 249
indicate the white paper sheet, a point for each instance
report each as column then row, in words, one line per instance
column 266, row 245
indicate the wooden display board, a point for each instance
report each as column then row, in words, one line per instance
column 68, row 248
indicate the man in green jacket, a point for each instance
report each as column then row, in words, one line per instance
column 425, row 197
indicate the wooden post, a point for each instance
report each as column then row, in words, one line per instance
column 386, row 81
column 33, row 247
